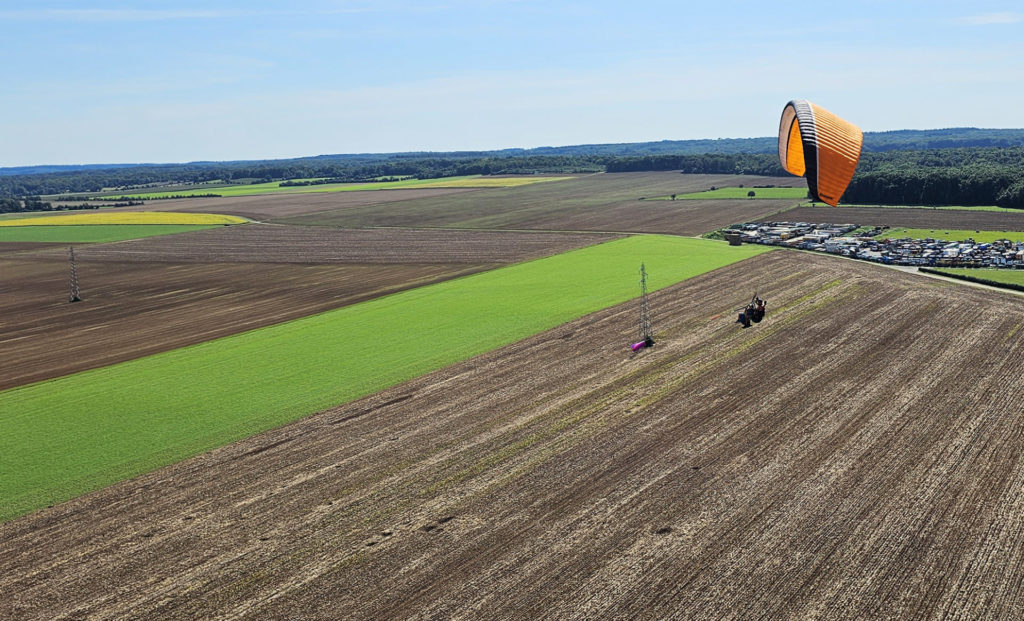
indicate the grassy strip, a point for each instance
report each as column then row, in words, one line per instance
column 274, row 187
column 67, row 436
column 92, row 233
column 97, row 218
column 1006, row 279
column 981, row 237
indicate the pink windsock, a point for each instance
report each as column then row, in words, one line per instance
column 638, row 346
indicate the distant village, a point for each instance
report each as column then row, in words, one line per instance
column 849, row 240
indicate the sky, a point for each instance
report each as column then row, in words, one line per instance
column 84, row 82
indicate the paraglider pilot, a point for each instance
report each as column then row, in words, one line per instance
column 754, row 312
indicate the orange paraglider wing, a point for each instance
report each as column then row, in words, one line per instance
column 817, row 144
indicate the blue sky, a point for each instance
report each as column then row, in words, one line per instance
column 153, row 81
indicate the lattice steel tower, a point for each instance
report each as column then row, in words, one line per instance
column 645, row 309
column 74, row 277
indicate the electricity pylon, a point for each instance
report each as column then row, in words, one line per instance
column 645, row 309
column 74, row 277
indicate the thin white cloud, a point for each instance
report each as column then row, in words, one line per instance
column 986, row 19
column 145, row 15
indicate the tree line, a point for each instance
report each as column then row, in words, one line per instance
column 18, row 205
column 35, row 203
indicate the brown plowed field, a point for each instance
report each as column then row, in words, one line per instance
column 14, row 247
column 266, row 206
column 266, row 243
column 909, row 218
column 136, row 309
column 856, row 455
column 604, row 202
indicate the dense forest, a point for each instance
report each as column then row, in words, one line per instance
column 961, row 176
column 963, row 166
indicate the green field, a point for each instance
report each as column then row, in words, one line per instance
column 67, row 436
column 1012, row 277
column 274, row 187
column 952, row 235
column 734, row 193
column 92, row 233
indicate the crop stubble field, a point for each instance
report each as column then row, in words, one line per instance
column 856, row 455
column 148, row 296
column 604, row 202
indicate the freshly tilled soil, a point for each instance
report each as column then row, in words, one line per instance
column 858, row 454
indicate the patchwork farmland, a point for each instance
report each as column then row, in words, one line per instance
column 265, row 206
column 159, row 293
column 607, row 202
column 856, row 455
column 256, row 380
column 274, row 187
column 136, row 309
column 800, row 469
